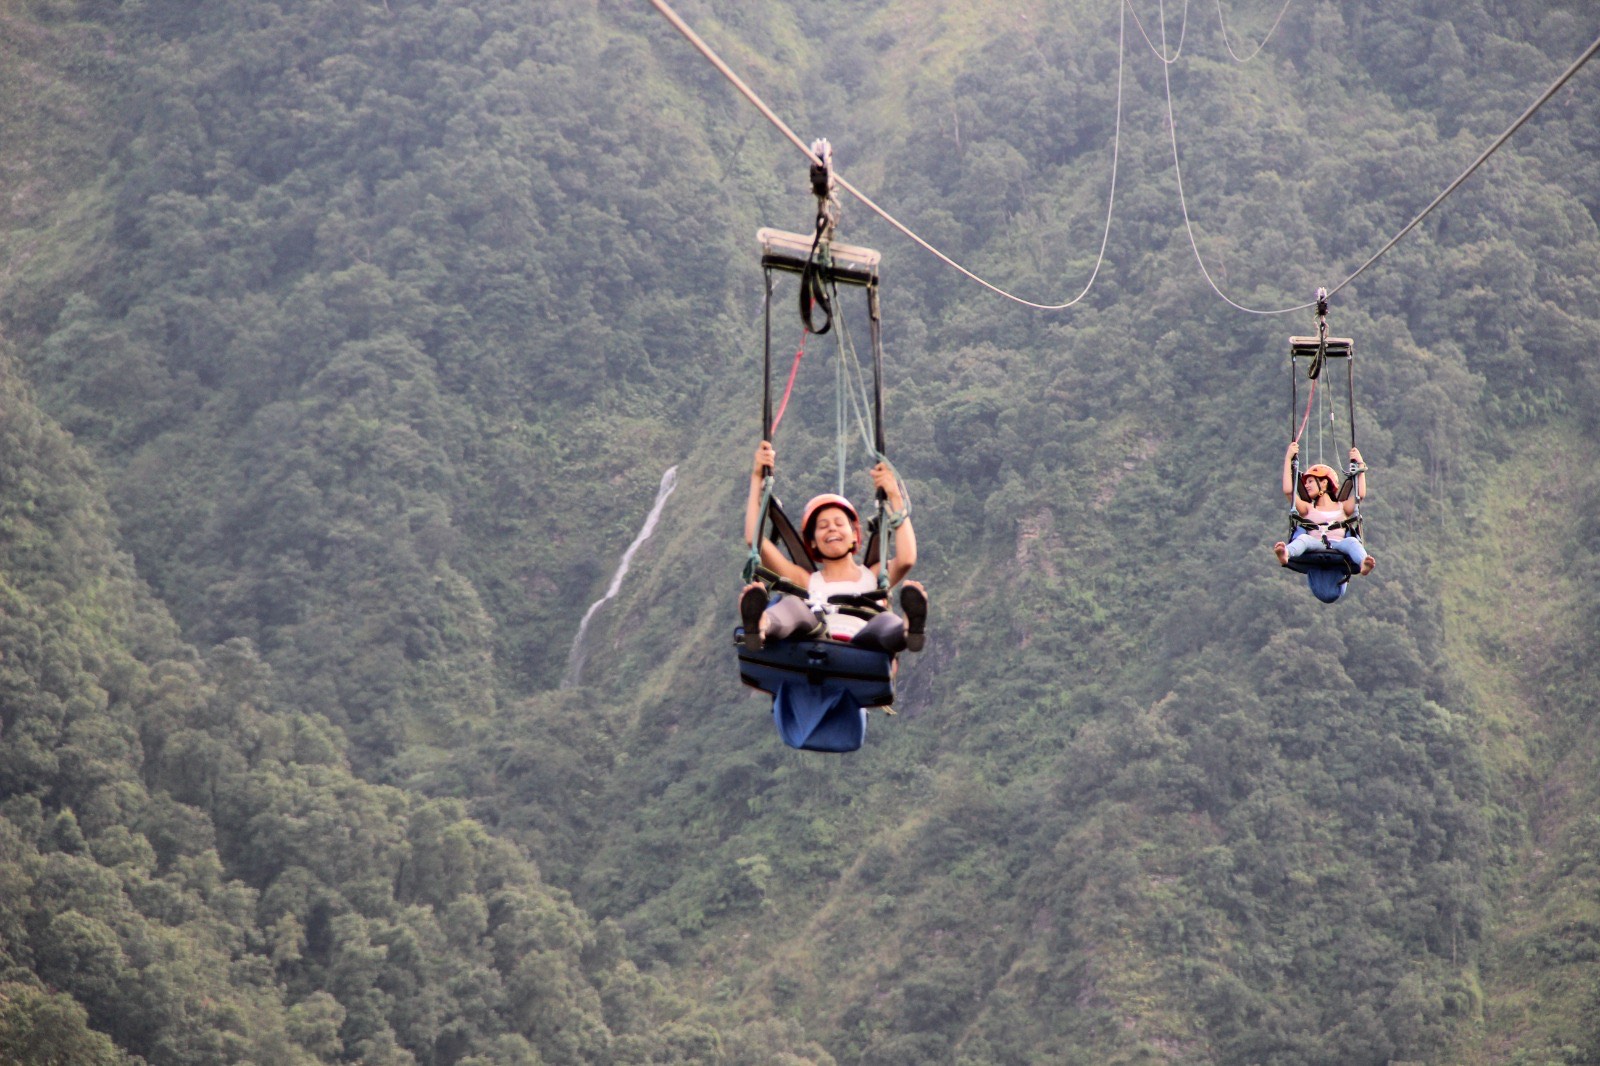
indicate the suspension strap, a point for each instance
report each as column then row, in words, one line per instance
column 852, row 397
column 766, row 363
column 752, row 565
column 1314, row 373
column 813, row 284
column 1350, row 374
column 813, row 289
column 875, row 315
column 1322, row 335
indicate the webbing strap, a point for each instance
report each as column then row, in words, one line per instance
column 752, row 565
column 1351, row 525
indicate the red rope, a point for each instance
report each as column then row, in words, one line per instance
column 1307, row 417
column 787, row 389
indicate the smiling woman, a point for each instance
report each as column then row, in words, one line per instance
column 817, row 632
column 843, row 599
column 1326, row 546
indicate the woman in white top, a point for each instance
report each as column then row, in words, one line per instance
column 831, row 530
column 1316, row 503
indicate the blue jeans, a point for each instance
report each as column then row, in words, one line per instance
column 1328, row 584
column 1349, row 547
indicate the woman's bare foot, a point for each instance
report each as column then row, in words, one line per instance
column 1367, row 564
column 1281, row 550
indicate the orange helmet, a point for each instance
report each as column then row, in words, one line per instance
column 1321, row 470
column 808, row 518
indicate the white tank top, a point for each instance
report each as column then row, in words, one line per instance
column 841, row 626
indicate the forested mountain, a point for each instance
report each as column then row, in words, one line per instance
column 343, row 347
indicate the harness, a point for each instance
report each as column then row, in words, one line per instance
column 1351, row 525
column 863, row 605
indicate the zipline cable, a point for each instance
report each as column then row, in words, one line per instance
column 1172, row 127
column 1222, row 21
column 1476, row 163
column 749, row 94
column 734, row 79
column 1183, row 31
column 1183, row 204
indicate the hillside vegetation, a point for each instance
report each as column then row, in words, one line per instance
column 346, row 345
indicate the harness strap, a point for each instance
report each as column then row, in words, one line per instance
column 1353, row 524
column 866, row 605
column 870, row 601
column 861, row 612
column 776, row 583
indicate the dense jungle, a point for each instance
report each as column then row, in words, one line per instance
column 345, row 348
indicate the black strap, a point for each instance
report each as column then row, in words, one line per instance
column 814, row 293
column 873, row 600
column 766, row 362
column 777, row 583
column 1351, row 526
column 1322, row 336
column 814, row 282
column 1350, row 391
column 813, row 279
column 785, row 534
column 1316, row 527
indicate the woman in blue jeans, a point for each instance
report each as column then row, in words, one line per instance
column 1318, row 505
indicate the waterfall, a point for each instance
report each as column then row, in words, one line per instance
column 669, row 481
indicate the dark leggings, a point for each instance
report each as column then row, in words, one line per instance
column 791, row 617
